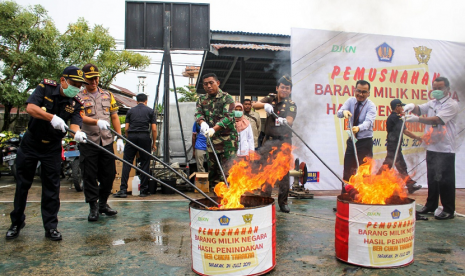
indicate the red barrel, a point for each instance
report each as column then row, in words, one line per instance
column 378, row 236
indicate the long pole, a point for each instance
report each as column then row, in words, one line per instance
column 353, row 142
column 217, row 160
column 338, row 177
column 166, row 83
column 179, row 114
column 398, row 142
column 141, row 171
column 163, row 163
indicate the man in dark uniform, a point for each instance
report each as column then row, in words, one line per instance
column 50, row 105
column 276, row 133
column 394, row 133
column 96, row 164
column 139, row 119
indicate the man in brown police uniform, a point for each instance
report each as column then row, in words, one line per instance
column 276, row 133
column 96, row 164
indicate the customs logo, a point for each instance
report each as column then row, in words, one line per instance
column 410, row 211
column 80, row 73
column 247, row 218
column 224, row 221
column 423, row 54
column 385, row 52
column 395, row 214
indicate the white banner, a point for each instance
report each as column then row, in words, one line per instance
column 325, row 68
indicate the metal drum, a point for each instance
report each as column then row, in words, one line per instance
column 378, row 236
column 234, row 241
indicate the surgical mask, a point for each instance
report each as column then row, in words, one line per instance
column 71, row 91
column 437, row 94
column 238, row 113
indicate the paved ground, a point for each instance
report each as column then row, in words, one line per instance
column 151, row 236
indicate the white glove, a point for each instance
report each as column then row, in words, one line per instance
column 209, row 132
column 119, row 145
column 282, row 121
column 102, row 124
column 409, row 107
column 412, row 118
column 347, row 114
column 268, row 108
column 204, row 127
column 80, row 137
column 58, row 123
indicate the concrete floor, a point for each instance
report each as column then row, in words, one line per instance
column 151, row 236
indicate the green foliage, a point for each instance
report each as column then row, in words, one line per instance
column 31, row 49
column 8, row 136
column 188, row 93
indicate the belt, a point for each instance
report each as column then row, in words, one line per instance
column 32, row 135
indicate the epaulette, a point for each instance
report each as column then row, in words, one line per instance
column 291, row 101
column 272, row 95
column 50, row 82
column 79, row 100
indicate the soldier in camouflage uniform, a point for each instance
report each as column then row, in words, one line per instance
column 276, row 133
column 215, row 115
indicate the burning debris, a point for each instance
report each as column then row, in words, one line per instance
column 248, row 174
column 367, row 188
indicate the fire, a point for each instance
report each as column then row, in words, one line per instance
column 376, row 189
column 247, row 175
column 432, row 136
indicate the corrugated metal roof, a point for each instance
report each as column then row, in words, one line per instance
column 247, row 33
column 124, row 90
column 125, row 101
column 218, row 46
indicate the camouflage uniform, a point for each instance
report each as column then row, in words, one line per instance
column 275, row 136
column 219, row 110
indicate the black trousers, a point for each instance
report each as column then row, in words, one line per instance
column 283, row 184
column 49, row 155
column 97, row 165
column 141, row 139
column 400, row 162
column 441, row 180
column 364, row 149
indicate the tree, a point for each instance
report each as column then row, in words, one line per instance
column 29, row 51
column 82, row 44
column 188, row 93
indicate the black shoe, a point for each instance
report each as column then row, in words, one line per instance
column 121, row 194
column 145, row 194
column 410, row 182
column 444, row 215
column 93, row 214
column 425, row 210
column 14, row 230
column 284, row 208
column 53, row 235
column 420, row 217
column 106, row 209
column 412, row 188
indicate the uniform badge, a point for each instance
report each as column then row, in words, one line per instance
column 80, row 73
column 48, row 99
column 74, row 103
column 50, row 82
column 284, row 105
column 292, row 108
column 88, row 110
column 81, row 113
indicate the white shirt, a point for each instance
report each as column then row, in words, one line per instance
column 443, row 136
column 246, row 142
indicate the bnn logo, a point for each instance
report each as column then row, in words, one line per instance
column 344, row 49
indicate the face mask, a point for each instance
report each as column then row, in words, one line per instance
column 238, row 113
column 437, row 94
column 71, row 91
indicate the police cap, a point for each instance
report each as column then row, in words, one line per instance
column 91, row 71
column 74, row 73
column 395, row 103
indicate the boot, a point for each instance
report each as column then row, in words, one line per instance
column 93, row 215
column 104, row 208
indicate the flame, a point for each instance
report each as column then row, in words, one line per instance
column 245, row 176
column 433, row 137
column 377, row 189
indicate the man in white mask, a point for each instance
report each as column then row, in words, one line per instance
column 440, row 120
column 50, row 106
